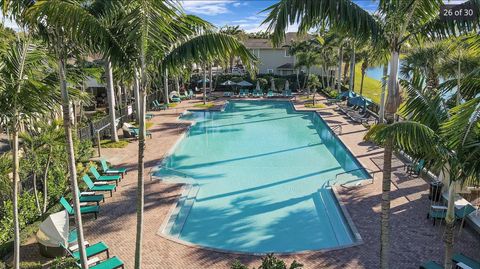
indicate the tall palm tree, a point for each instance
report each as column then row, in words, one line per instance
column 401, row 22
column 236, row 32
column 446, row 139
column 307, row 59
column 25, row 94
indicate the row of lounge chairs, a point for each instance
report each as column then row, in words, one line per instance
column 101, row 184
column 356, row 113
column 258, row 93
column 460, row 261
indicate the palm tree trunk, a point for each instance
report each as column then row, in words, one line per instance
column 72, row 170
column 352, row 70
column 35, row 193
column 381, row 111
column 45, row 181
column 450, row 223
column 340, row 61
column 111, row 100
column 391, row 108
column 361, row 82
column 165, row 88
column 211, row 78
column 136, row 93
column 15, row 182
column 204, row 84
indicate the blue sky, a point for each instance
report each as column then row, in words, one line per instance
column 246, row 13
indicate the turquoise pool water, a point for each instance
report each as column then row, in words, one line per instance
column 260, row 175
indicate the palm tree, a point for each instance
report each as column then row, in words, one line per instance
column 446, row 139
column 236, row 32
column 25, row 94
column 401, row 21
column 307, row 59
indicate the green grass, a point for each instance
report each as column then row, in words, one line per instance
column 371, row 87
column 110, row 144
column 207, row 105
column 315, row 106
column 148, row 124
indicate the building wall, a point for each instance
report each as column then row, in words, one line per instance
column 270, row 59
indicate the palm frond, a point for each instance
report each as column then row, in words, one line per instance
column 463, row 127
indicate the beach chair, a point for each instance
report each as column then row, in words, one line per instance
column 106, row 178
column 190, row 94
column 90, row 197
column 183, row 96
column 136, row 132
column 437, row 212
column 91, row 250
column 160, row 106
column 431, row 265
column 270, row 94
column 242, row 93
column 460, row 258
column 461, row 213
column 111, row 263
column 110, row 170
column 415, row 168
column 93, row 209
column 98, row 186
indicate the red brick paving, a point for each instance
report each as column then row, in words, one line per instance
column 414, row 239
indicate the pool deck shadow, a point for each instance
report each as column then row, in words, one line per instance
column 415, row 238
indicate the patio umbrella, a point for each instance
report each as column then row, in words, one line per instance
column 244, row 83
column 228, row 83
column 258, row 86
column 287, row 85
column 272, row 87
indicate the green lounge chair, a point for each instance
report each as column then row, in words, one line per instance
column 160, row 106
column 136, row 133
column 270, row 94
column 91, row 198
column 107, row 170
column 103, row 187
column 415, row 168
column 91, row 251
column 112, row 263
column 149, row 116
column 431, row 265
column 437, row 212
column 460, row 258
column 243, row 93
column 183, row 96
column 84, row 209
column 98, row 177
column 464, row 211
column 175, row 99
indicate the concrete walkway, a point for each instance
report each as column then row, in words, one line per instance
column 414, row 239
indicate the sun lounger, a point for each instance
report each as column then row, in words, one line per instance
column 99, row 186
column 437, row 212
column 243, row 93
column 461, row 213
column 415, row 168
column 110, row 170
column 136, row 133
column 270, row 94
column 157, row 106
column 84, row 209
column 460, row 258
column 91, row 251
column 106, row 178
column 149, row 116
column 111, row 263
column 431, row 265
column 90, row 197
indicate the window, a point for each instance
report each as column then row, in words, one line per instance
column 270, row 71
column 287, row 53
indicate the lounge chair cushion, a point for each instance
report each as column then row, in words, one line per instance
column 111, row 263
column 92, row 250
column 458, row 257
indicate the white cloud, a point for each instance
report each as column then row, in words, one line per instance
column 207, row 7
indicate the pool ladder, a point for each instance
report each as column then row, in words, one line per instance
column 337, row 127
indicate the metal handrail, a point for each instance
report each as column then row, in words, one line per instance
column 339, row 127
column 369, row 171
column 180, row 172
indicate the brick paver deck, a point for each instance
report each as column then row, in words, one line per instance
column 414, row 239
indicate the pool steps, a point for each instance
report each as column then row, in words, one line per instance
column 182, row 210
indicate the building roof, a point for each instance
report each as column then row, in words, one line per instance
column 263, row 43
column 286, row 66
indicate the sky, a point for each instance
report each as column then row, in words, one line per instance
column 245, row 13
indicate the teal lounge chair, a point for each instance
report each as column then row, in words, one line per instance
column 190, row 94
column 464, row 211
column 260, row 93
column 159, row 106
column 437, row 212
column 84, row 209
column 107, row 178
column 91, row 198
column 136, row 132
column 242, row 93
column 431, row 265
column 175, row 99
column 415, row 168
column 149, row 116
column 91, row 251
column 112, row 263
column 460, row 258
column 270, row 94
column 183, row 96
column 107, row 170
column 97, row 187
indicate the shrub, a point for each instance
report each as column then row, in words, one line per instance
column 269, row 262
column 112, row 144
column 63, row 263
column 30, row 265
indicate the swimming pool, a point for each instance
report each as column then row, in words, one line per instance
column 259, row 176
